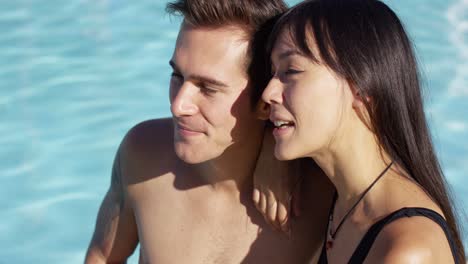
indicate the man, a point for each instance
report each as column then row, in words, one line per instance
column 181, row 187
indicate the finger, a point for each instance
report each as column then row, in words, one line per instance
column 296, row 200
column 271, row 211
column 262, row 204
column 282, row 217
column 256, row 197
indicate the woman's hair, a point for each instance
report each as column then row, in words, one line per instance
column 364, row 42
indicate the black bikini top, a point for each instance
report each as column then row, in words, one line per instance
column 365, row 245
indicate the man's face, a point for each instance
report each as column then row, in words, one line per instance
column 209, row 94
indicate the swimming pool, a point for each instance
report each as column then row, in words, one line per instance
column 76, row 76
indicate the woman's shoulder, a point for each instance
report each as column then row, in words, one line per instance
column 415, row 239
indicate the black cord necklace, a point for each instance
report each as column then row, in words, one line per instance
column 331, row 234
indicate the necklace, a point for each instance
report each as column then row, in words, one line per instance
column 331, row 234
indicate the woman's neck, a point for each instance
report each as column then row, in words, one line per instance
column 352, row 164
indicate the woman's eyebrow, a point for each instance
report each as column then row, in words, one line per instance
column 283, row 55
column 288, row 53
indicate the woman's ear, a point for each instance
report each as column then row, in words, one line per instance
column 262, row 110
column 359, row 98
column 357, row 101
column 359, row 105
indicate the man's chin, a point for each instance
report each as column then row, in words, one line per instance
column 190, row 159
column 189, row 154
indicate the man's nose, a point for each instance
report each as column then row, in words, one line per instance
column 273, row 93
column 183, row 103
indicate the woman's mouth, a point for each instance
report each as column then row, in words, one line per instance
column 282, row 127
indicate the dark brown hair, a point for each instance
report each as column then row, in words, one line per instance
column 253, row 16
column 364, row 42
column 249, row 14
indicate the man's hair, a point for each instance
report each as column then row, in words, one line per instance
column 248, row 14
column 255, row 17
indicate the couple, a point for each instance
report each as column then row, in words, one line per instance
column 341, row 87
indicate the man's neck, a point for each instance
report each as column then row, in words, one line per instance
column 233, row 171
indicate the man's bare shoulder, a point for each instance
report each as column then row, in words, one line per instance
column 150, row 137
column 147, row 150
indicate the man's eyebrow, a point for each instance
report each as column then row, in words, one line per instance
column 200, row 78
column 174, row 66
column 208, row 80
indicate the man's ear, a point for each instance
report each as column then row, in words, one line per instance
column 262, row 110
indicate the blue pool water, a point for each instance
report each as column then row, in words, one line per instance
column 76, row 75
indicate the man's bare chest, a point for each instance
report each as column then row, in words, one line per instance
column 185, row 228
column 182, row 232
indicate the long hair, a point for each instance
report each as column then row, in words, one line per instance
column 364, row 42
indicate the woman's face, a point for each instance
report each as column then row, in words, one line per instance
column 309, row 102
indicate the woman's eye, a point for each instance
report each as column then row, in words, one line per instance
column 288, row 74
column 292, row 71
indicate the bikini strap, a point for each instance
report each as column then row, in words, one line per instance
column 365, row 245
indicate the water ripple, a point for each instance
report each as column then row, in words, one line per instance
column 76, row 75
column 457, row 15
column 32, row 208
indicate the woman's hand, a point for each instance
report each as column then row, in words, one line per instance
column 276, row 186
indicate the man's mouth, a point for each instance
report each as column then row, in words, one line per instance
column 187, row 131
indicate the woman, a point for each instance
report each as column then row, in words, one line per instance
column 345, row 91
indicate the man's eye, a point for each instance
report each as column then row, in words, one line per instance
column 176, row 75
column 207, row 91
